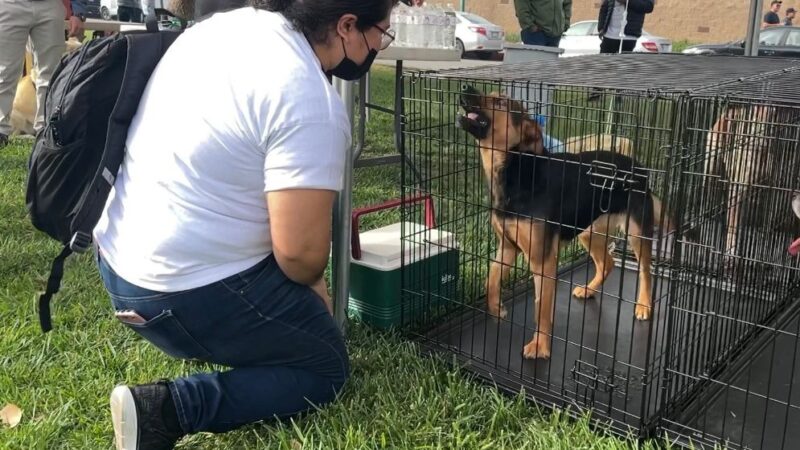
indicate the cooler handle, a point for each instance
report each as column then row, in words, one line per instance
column 355, row 242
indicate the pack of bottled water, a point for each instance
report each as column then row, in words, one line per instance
column 424, row 27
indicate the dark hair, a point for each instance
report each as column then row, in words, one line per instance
column 314, row 18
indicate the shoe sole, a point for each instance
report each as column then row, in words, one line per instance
column 123, row 416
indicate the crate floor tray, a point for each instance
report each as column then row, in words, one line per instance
column 750, row 406
column 599, row 356
column 598, row 352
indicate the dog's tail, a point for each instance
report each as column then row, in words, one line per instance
column 666, row 221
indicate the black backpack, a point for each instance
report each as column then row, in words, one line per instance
column 93, row 96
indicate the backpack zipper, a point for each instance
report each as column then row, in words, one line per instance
column 57, row 113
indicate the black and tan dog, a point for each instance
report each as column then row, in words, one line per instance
column 541, row 201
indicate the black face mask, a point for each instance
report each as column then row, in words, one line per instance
column 348, row 70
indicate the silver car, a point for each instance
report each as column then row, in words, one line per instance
column 582, row 38
column 478, row 35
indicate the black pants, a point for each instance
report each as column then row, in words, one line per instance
column 608, row 45
column 129, row 14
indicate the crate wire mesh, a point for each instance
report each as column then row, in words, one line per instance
column 732, row 372
column 715, row 141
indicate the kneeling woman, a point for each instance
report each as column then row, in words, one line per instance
column 214, row 241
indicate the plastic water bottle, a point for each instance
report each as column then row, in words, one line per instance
column 441, row 28
column 413, row 28
column 436, row 27
column 450, row 36
column 424, row 35
column 400, row 20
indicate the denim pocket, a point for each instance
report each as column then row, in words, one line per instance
column 167, row 333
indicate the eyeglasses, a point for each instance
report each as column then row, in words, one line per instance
column 387, row 37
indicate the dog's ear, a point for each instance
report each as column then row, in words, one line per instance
column 517, row 112
column 531, row 137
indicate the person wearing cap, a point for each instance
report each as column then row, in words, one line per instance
column 789, row 17
column 771, row 18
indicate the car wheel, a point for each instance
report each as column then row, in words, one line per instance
column 460, row 47
column 104, row 13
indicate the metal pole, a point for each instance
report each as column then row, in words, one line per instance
column 753, row 27
column 463, row 4
column 342, row 220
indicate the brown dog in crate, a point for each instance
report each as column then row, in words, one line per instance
column 541, row 201
column 741, row 154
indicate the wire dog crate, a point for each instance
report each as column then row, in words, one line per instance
column 623, row 227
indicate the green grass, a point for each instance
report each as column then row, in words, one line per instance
column 395, row 399
column 513, row 36
column 681, row 45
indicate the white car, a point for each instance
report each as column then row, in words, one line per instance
column 108, row 9
column 476, row 34
column 582, row 38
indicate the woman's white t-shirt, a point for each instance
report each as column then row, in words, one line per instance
column 237, row 107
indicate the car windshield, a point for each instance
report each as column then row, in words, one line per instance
column 770, row 37
column 472, row 18
column 581, row 29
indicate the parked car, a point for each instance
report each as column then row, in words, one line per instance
column 478, row 35
column 775, row 41
column 108, row 9
column 582, row 38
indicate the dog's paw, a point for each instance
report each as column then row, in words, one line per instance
column 499, row 312
column 582, row 292
column 643, row 312
column 537, row 348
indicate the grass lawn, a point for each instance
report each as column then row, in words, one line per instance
column 395, row 399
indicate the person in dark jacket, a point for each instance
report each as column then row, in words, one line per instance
column 542, row 22
column 611, row 19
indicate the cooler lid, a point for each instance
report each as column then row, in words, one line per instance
column 381, row 248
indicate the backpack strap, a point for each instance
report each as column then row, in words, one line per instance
column 151, row 23
column 144, row 51
column 53, row 285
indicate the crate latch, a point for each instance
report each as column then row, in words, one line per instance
column 608, row 177
column 589, row 376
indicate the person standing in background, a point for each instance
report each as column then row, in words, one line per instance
column 789, row 17
column 542, row 22
column 771, row 18
column 129, row 11
column 610, row 23
column 41, row 22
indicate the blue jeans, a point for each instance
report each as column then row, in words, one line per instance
column 284, row 349
column 539, row 38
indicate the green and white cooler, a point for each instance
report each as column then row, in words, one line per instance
column 431, row 270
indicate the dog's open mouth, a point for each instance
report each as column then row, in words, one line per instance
column 476, row 118
column 473, row 120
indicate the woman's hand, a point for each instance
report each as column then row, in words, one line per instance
column 321, row 288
